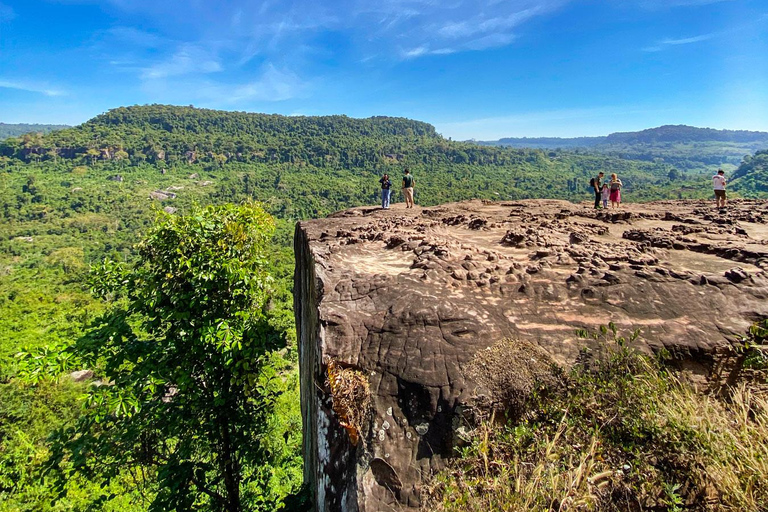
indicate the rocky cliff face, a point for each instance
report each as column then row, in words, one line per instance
column 406, row 299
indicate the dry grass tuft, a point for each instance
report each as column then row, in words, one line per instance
column 351, row 397
column 622, row 435
column 507, row 373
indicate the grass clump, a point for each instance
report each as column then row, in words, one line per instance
column 351, row 397
column 619, row 434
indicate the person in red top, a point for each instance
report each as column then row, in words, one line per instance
column 615, row 191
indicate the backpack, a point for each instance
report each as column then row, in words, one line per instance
column 592, row 183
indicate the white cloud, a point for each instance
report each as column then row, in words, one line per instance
column 666, row 43
column 460, row 28
column 666, row 4
column 188, row 59
column 439, row 29
column 389, row 28
column 416, row 52
column 271, row 85
column 33, row 87
column 688, row 40
column 6, row 13
column 481, row 24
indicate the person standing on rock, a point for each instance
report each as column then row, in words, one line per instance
column 605, row 195
column 615, row 193
column 408, row 183
column 718, row 183
column 386, row 185
column 596, row 184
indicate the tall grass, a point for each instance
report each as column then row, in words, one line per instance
column 623, row 434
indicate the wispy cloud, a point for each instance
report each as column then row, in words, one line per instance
column 6, row 13
column 272, row 84
column 22, row 85
column 480, row 24
column 394, row 29
column 188, row 59
column 478, row 32
column 461, row 26
column 239, row 52
column 688, row 40
column 667, row 4
column 665, row 43
column 727, row 32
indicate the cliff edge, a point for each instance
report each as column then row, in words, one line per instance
column 392, row 308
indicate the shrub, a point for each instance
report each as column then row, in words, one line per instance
column 623, row 434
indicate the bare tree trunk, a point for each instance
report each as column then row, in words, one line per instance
column 228, row 464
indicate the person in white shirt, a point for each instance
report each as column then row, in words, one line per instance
column 718, row 183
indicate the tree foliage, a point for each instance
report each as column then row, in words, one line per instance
column 751, row 178
column 186, row 354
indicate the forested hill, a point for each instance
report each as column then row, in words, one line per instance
column 686, row 147
column 662, row 134
column 306, row 166
column 160, row 132
column 245, row 124
column 683, row 133
column 14, row 130
column 751, row 178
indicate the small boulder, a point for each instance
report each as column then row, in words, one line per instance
column 81, row 375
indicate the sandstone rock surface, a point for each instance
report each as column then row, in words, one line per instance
column 409, row 297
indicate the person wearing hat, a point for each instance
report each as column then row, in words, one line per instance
column 408, row 183
column 718, row 183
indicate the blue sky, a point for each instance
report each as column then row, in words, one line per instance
column 474, row 69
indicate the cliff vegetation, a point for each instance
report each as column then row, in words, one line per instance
column 624, row 433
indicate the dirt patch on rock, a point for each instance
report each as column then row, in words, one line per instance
column 507, row 373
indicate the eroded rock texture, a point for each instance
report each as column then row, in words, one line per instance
column 410, row 296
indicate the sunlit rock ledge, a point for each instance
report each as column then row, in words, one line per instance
column 405, row 299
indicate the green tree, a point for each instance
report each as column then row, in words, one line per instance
column 121, row 155
column 188, row 349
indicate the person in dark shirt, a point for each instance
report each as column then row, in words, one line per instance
column 408, row 183
column 386, row 185
column 597, row 185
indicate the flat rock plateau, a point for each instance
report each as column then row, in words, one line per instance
column 407, row 299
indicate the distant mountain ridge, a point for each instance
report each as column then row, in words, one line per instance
column 687, row 148
column 662, row 134
column 14, row 130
